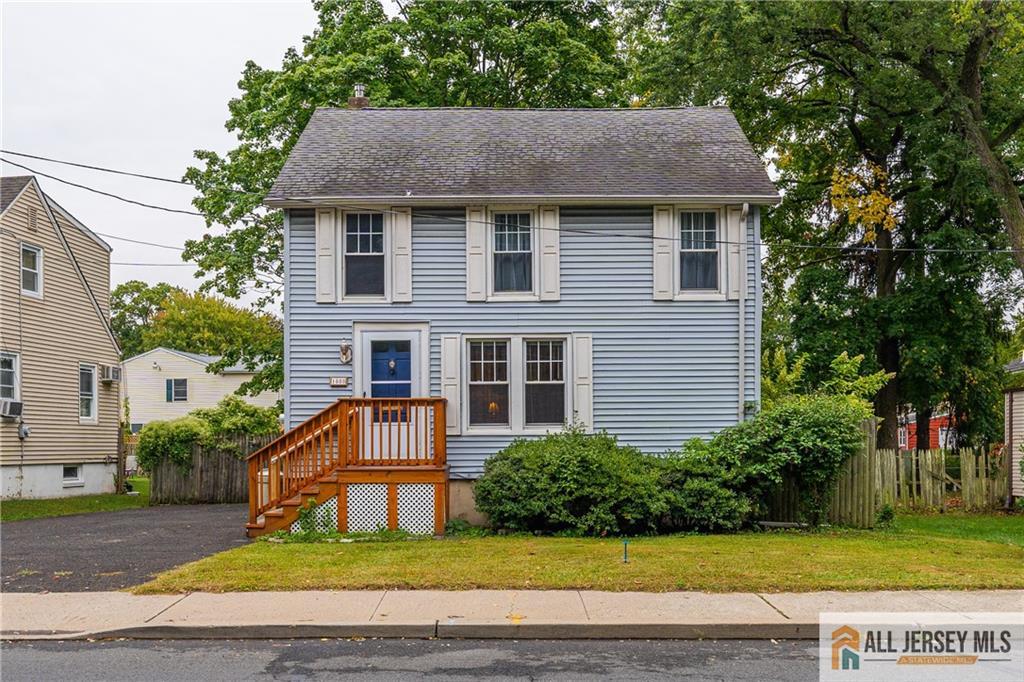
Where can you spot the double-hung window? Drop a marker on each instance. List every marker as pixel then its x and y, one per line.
pixel 9 376
pixel 698 251
pixel 364 255
pixel 544 397
pixel 517 383
pixel 513 253
pixel 31 270
pixel 488 383
pixel 87 393
pixel 176 390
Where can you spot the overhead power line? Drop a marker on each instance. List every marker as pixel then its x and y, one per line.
pixel 96 168
pixel 106 194
pixel 463 221
pixel 139 241
pixel 156 265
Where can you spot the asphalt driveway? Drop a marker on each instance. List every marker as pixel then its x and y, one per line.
pixel 112 550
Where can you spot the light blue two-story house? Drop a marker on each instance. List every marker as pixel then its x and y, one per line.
pixel 458 278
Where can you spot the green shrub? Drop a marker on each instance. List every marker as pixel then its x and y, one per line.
pixel 701 491
pixel 171 440
pixel 806 438
pixel 571 483
pixel 233 417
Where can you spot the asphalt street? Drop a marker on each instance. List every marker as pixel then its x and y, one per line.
pixel 172 660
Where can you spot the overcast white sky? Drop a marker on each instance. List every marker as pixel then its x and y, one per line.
pixel 135 86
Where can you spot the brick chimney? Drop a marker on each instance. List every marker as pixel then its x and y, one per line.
pixel 359 100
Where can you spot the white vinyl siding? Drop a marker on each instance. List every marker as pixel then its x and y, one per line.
pixel 31 270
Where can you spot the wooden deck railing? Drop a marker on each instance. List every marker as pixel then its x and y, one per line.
pixel 353 432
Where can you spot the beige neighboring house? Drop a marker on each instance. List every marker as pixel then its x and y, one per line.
pixel 1014 414
pixel 164 383
pixel 58 356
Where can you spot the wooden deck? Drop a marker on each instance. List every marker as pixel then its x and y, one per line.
pixel 389 441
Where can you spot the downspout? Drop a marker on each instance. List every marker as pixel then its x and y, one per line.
pixel 741 408
pixel 1010 424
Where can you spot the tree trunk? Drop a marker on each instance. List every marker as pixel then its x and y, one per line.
pixel 887 402
pixel 1000 182
pixel 923 427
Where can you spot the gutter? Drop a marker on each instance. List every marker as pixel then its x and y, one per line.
pixel 741 408
pixel 459 199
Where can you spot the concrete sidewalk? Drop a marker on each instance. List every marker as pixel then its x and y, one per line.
pixel 471 614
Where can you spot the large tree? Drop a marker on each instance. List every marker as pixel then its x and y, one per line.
pixel 133 305
pixel 873 160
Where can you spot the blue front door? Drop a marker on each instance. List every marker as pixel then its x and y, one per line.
pixel 390 369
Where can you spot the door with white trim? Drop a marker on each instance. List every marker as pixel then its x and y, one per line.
pixel 390 369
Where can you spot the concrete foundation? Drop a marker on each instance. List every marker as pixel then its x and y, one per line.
pixel 47 480
pixel 462 504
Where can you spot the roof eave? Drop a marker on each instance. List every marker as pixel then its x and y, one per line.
pixel 439 200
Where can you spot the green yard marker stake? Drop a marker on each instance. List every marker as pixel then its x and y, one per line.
pixel 625 551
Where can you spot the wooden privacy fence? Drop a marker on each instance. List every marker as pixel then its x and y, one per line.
pixel 854 498
pixel 217 475
pixel 928 479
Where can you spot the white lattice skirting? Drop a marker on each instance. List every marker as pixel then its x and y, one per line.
pixel 325 517
pixel 367 507
pixel 416 508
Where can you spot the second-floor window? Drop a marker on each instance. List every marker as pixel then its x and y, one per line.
pixel 698 251
pixel 176 390
pixel 513 253
pixel 364 268
pixel 31 270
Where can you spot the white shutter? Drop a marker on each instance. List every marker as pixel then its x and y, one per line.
pixel 734 235
pixel 451 381
pixel 583 380
pixel 327 263
pixel 401 254
pixel 548 237
pixel 664 254
pixel 476 254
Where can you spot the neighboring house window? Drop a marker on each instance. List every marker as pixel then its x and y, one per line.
pixel 72 474
pixel 947 437
pixel 364 255
pixel 545 382
pixel 87 392
pixel 9 384
pixel 136 427
pixel 31 270
pixel 176 390
pixel 488 383
pixel 903 436
pixel 513 253
pixel 698 250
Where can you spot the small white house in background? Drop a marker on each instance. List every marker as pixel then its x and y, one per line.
pixel 1014 412
pixel 164 383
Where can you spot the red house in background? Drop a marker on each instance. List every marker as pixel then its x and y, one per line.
pixel 941 434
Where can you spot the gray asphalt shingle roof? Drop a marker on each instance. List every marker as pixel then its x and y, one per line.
pixel 10 188
pixel 440 153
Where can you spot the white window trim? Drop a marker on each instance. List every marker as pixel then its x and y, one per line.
pixel 39 271
pixel 681 294
pixel 17 373
pixel 514 296
pixel 340 245
pixel 903 436
pixel 76 482
pixel 94 417
pixel 517 384
pixel 173 398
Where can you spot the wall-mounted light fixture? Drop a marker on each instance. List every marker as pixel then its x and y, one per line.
pixel 345 351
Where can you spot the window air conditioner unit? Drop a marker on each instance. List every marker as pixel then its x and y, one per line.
pixel 110 374
pixel 11 408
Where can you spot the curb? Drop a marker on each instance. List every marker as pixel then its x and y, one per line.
pixel 441 630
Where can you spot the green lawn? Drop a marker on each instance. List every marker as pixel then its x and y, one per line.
pixel 919 553
pixel 1002 528
pixel 17 510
